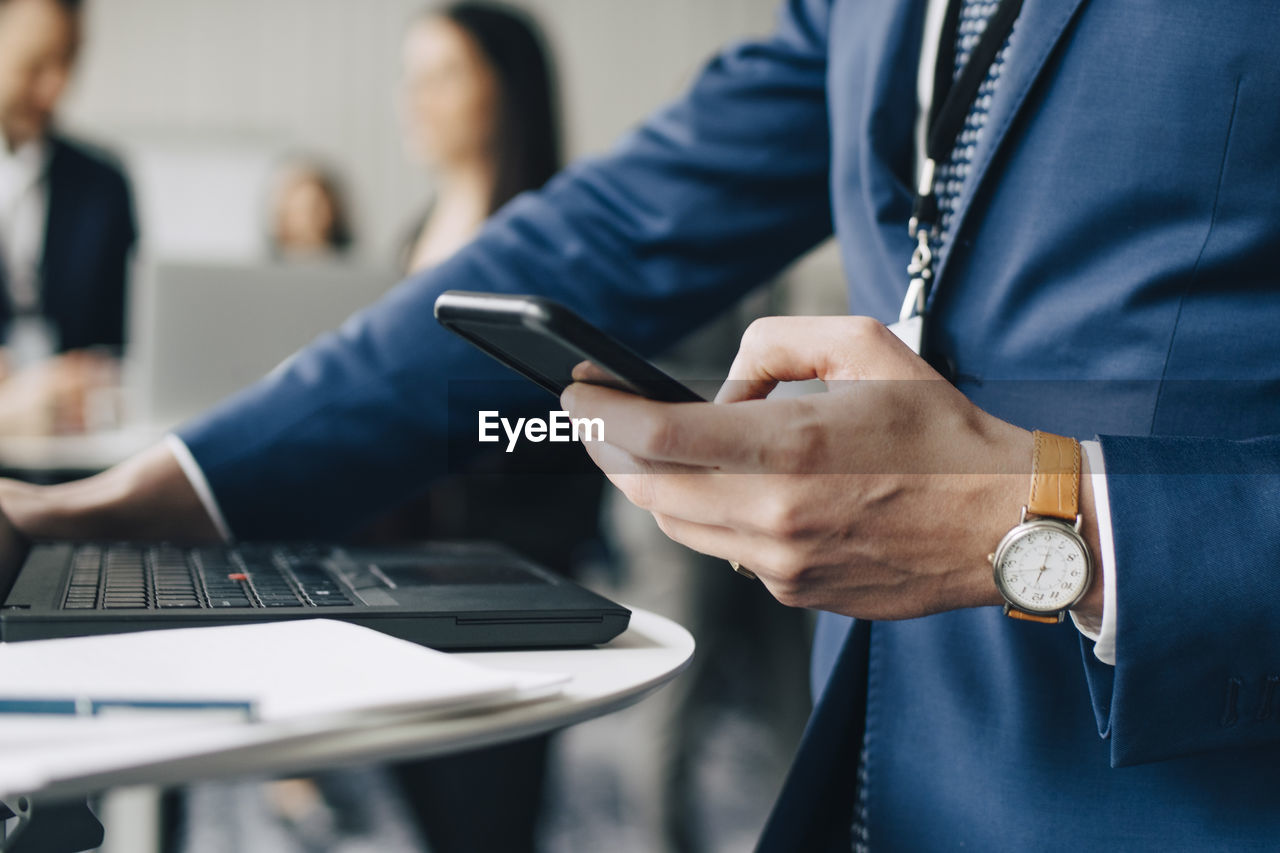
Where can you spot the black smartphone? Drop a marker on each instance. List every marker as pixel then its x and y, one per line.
pixel 544 341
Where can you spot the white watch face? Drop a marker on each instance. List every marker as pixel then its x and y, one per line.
pixel 1042 569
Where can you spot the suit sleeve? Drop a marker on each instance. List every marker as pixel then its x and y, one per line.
pixel 708 198
pixel 1196 525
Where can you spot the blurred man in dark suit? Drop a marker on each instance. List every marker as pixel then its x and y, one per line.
pixel 66 216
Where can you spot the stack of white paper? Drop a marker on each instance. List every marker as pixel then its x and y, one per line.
pixel 297 676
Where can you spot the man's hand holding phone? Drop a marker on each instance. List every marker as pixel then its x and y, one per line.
pixel 879 499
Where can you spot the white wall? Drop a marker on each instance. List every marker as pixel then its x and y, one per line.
pixel 237 76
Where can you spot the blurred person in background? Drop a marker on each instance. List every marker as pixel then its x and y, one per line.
pixel 66 231
pixel 479 113
pixel 310 216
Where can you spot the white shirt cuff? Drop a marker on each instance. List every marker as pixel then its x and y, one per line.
pixel 195 476
pixel 1103 634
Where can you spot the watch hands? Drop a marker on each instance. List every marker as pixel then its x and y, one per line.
pixel 1044 564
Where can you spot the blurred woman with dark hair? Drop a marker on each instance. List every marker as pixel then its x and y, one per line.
pixel 479 112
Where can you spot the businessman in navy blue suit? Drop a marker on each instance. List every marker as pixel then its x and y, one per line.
pixel 67 227
pixel 1105 270
pixel 66 215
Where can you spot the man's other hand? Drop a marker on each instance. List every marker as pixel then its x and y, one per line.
pixel 147 497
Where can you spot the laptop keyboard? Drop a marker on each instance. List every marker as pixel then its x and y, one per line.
pixel 131 577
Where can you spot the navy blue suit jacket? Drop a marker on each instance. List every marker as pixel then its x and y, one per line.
pixel 1113 274
pixel 89 236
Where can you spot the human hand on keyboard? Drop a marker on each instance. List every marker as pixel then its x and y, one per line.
pixel 145 498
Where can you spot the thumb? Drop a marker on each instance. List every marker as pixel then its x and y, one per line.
pixel 793 349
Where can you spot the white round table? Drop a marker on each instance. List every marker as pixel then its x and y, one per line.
pixel 651 652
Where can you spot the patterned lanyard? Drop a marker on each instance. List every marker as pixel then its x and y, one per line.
pixel 953 99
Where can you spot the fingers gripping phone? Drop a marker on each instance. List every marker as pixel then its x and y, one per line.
pixel 544 341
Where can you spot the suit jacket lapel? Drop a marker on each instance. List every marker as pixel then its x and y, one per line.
pixel 1038 31
pixel 814 811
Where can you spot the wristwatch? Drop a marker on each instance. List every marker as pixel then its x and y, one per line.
pixel 1043 566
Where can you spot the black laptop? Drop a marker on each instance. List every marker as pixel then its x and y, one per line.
pixel 447 595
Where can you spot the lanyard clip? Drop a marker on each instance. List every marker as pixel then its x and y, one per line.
pixel 921 271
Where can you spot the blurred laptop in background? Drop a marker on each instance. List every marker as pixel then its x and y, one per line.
pixel 198 332
pixel 201 331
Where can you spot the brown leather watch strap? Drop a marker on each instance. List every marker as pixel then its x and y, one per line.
pixel 1015 613
pixel 1055 477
